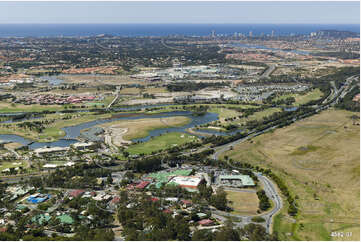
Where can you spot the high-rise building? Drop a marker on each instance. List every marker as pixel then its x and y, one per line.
pixel 213 34
pixel 272 33
pixel 250 33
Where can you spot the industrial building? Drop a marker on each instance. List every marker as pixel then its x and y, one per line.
pixel 83 146
pixel 164 177
pixel 186 181
pixel 235 180
pixel 51 150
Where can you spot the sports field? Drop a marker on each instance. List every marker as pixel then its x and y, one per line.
pixel 319 160
pixel 140 128
pixel 161 142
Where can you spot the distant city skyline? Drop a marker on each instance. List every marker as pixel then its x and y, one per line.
pixel 180 12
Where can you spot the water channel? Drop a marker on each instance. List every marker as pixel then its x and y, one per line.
pixel 269 48
pixel 73 132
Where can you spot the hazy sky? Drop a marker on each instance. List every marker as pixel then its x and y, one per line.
pixel 180 12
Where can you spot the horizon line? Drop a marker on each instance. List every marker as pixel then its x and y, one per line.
pixel 27 23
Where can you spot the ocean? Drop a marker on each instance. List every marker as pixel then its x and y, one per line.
pixel 132 30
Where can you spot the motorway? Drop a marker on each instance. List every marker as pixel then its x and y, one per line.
pixel 270 69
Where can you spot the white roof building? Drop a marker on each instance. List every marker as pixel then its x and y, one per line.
pixel 186 181
pixel 82 145
pixel 39 151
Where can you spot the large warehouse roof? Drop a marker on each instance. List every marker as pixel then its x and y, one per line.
pixel 246 179
pixel 186 181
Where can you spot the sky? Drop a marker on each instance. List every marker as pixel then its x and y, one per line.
pixel 181 12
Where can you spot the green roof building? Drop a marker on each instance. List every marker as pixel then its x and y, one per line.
pixel 243 180
pixel 21 207
pixel 65 219
pixel 164 177
pixel 40 219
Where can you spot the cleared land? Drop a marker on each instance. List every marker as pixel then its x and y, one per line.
pixel 319 160
pixel 243 203
pixel 161 142
pixel 141 127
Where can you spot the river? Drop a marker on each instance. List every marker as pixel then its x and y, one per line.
pixel 73 132
pixel 262 47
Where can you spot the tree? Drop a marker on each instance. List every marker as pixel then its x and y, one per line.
pixel 110 179
pixel 264 202
pixel 219 200
pixel 204 191
pixel 256 232
pixel 202 235
pixel 227 233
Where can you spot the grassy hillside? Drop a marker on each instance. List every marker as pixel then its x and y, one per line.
pixel 319 159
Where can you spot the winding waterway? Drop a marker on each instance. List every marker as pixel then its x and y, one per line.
pixel 268 48
pixel 73 132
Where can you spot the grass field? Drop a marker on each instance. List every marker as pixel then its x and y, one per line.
pixel 243 203
pixel 6 107
pixel 161 142
pixel 141 127
pixel 302 99
pixel 319 160
pixel 154 90
pixel 224 113
pixel 222 109
pixel 130 91
pixel 258 115
pixel 12 164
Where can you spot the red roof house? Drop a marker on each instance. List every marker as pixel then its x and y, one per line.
pixel 76 193
pixel 130 187
pixel 167 211
pixel 115 200
pixel 205 222
pixel 142 185
pixel 154 199
pixel 186 203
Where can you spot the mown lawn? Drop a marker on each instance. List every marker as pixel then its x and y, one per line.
pixel 161 142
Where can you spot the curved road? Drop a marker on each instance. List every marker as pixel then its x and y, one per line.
pixel 271 192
